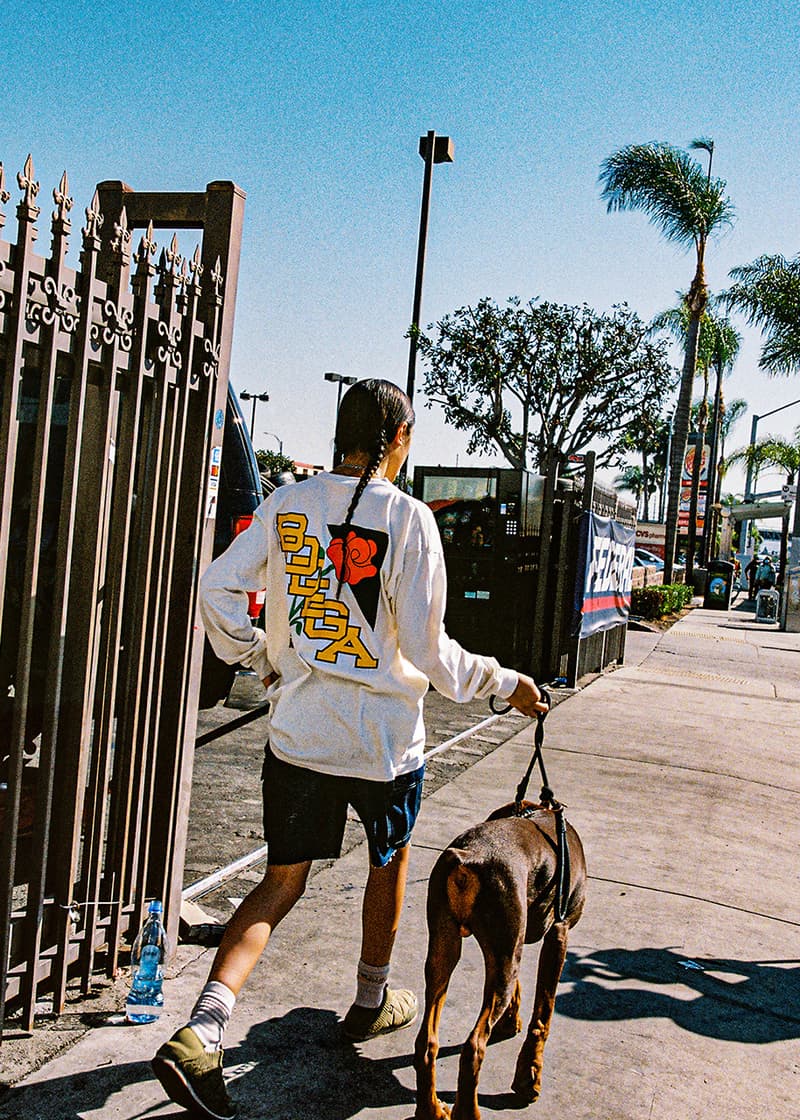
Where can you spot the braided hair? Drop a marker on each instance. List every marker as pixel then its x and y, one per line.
pixel 369 418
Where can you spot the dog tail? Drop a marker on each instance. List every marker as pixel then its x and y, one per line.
pixel 462 888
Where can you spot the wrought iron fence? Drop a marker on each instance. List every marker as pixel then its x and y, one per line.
pixel 114 380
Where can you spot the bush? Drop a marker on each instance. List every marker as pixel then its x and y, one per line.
pixel 655 602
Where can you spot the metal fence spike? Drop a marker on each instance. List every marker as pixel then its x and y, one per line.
pixel 62 200
pixel 94 219
pixel 27 183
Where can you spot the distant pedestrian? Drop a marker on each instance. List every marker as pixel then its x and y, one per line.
pixel 355 600
pixel 765 573
pixel 750 573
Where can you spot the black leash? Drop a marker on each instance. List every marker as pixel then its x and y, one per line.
pixel 547 800
pixel 232 725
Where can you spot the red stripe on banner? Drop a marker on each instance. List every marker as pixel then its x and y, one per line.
pixel 604 602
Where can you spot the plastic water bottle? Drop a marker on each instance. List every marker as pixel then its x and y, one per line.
pixel 150 949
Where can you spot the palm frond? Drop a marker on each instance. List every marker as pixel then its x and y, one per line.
pixel 702 143
pixel 767 293
pixel 670 187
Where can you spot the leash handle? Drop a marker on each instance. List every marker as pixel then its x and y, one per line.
pixel 544 694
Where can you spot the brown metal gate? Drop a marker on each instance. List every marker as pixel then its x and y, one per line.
pixel 114 383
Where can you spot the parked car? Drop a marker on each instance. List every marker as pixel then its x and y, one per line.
pixel 642 558
pixel 240 492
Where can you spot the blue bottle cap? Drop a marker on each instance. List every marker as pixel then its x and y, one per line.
pixel 155 906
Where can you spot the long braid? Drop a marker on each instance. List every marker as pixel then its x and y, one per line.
pixel 375 461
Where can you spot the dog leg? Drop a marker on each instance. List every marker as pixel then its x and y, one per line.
pixel 510 1022
pixel 528 1074
pixel 500 987
pixel 444 952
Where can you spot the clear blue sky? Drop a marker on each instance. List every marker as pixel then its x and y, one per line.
pixel 315 110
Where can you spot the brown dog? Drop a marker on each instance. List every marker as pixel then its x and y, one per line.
pixel 498 882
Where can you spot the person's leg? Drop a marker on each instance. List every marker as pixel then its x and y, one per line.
pixel 252 924
pixel 388 812
pixel 381 909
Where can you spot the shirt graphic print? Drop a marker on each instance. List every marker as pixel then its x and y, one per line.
pixel 313 575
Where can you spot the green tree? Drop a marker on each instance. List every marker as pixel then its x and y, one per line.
pixel 767 293
pixel 273 462
pixel 688 207
pixel 539 380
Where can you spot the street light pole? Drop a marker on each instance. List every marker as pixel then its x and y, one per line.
pixel 433 149
pixel 340 380
pixel 278 438
pixel 254 397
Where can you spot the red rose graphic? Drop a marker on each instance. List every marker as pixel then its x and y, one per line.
pixel 356 554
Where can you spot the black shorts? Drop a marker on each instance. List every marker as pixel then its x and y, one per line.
pixel 305 812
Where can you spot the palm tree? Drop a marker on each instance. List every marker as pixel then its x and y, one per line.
pixel 725 342
pixel 767 293
pixel 648 436
pixel 717 348
pixel 730 413
pixel 773 451
pixel 636 482
pixel 688 206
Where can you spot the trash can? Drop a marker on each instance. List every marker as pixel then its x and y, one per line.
pixel 718 585
pixel 767 603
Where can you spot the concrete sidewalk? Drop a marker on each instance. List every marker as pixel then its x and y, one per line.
pixel 681 994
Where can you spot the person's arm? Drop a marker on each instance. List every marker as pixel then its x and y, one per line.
pixel 420 600
pixel 224 591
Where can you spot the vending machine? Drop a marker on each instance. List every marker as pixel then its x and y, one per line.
pixel 489 520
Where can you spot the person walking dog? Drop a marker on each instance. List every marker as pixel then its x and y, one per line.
pixel 355 599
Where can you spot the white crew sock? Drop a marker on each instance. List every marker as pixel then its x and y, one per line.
pixel 211 1014
pixel 371 980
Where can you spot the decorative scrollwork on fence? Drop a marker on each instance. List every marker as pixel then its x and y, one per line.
pixel 211 363
pixel 116 326
pixel 169 352
pixel 62 303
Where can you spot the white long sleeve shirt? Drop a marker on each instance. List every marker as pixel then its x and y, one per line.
pixel 352 667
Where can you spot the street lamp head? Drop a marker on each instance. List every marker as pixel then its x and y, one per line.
pixel 253 396
pixel 443 148
pixel 340 378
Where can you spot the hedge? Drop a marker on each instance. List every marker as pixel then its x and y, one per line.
pixel 655 602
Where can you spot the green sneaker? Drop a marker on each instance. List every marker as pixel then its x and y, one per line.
pixel 192 1077
pixel 398 1010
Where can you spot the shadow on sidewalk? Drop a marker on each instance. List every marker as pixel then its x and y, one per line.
pixel 297 1065
pixel 738 1001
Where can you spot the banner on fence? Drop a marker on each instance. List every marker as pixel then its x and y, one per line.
pixel 605 568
